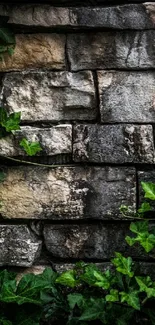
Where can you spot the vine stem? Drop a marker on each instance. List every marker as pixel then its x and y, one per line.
pixel 35 164
pixel 145 300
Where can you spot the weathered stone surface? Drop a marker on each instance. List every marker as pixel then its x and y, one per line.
pixel 50 96
pixel 18 246
pixel 147 175
pixel 127 96
pixel 120 17
pixel 67 192
pixel 38 269
pixel 110 50
pixel 113 143
pixel 53 141
pixel 35 51
pixel 142 268
pixel 98 241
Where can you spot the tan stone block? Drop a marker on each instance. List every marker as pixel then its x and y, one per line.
pixel 66 193
pixel 36 51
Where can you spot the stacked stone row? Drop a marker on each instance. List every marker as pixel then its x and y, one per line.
pixel 84 81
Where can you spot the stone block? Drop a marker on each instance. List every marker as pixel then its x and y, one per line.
pixel 113 143
pixel 67 192
pixel 98 241
pixel 55 140
pixel 18 246
pixel 34 51
pixel 50 96
pixel 130 16
pixel 112 50
pixel 127 96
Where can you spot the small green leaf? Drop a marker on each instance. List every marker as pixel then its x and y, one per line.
pixel 131 241
pixel 131 298
pixel 9 122
pixel 123 264
pixel 75 299
pixel 68 278
pixel 149 189
pixel 145 285
pixel 147 241
pixel 94 309
pixel 7 36
pixel 113 296
pixel 139 227
pixel 145 207
pixel 143 282
pixel 31 148
pixel 94 277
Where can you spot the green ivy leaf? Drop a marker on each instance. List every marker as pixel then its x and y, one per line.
pixel 144 238
pixel 113 296
pixel 131 298
pixel 143 282
pixel 9 122
pixel 145 207
pixel 75 299
pixel 12 123
pixel 139 227
pixel 93 276
pixel 30 286
pixel 123 264
pixel 31 148
pixel 149 189
pixel 145 285
pixel 94 309
pixel 7 36
pixel 68 279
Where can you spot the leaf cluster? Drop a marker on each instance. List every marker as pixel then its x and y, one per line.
pixel 9 123
pixel 81 296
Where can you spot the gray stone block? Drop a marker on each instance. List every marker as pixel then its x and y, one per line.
pixel 67 192
pixel 130 16
pixel 53 141
pixel 18 246
pixel 127 96
pixel 98 241
pixel 50 96
pixel 112 50
pixel 113 143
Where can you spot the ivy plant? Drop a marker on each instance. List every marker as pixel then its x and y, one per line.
pixel 7 42
pixel 9 123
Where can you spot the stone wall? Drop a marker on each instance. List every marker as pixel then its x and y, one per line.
pixel 83 76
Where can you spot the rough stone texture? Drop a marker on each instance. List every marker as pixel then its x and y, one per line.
pixel 143 268
pixel 113 143
pixel 38 269
pixel 127 96
pixel 147 175
pixel 110 50
pixel 53 141
pixel 35 51
pixel 18 246
pixel 50 96
pixel 77 2
pixel 120 17
pixel 98 241
pixel 67 192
